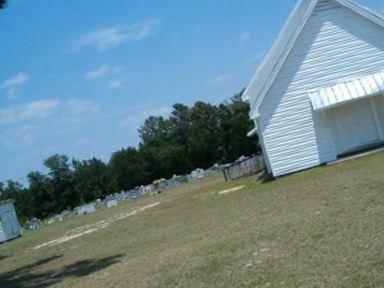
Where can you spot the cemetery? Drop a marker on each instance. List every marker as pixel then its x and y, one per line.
pixel 192 235
pixel 113 200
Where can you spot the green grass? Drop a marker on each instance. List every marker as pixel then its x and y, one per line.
pixel 319 228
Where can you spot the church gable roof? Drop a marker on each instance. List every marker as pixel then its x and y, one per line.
pixel 277 55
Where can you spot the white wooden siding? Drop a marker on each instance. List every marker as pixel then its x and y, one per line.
pixel 2 235
pixel 336 44
pixel 9 227
pixel 354 125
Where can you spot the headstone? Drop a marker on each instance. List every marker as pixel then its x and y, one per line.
pixel 111 203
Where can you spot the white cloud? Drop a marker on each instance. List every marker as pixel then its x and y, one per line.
pixel 26 133
pixel 27 137
pixel 19 135
pixel 133 122
pixel 254 59
pixel 12 93
pixel 45 108
pixel 112 37
pixel 29 122
pixel 78 106
pixel 244 36
pixel 76 112
pixel 222 79
pixel 115 83
pixel 31 111
pixel 98 73
pixel 162 111
pixel 38 109
pixel 16 80
pixel 128 123
pixel 11 83
pixel 82 143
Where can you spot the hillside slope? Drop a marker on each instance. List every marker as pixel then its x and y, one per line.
pixel 318 228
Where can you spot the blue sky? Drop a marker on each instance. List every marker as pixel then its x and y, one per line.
pixel 79 77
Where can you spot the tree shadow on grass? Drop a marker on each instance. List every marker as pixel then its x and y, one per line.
pixel 2 257
pixel 29 276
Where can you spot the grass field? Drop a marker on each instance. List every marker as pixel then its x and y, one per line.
pixel 318 228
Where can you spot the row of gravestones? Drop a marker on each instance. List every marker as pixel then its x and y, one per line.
pixel 132 195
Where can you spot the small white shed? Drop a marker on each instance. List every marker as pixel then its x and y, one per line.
pixel 9 224
pixel 318 94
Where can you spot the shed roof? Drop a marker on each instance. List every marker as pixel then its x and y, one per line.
pixel 276 56
pixel 347 91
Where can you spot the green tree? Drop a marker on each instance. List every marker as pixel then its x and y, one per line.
pixel 91 179
pixel 234 124
pixel 164 160
pixel 180 123
pixel 25 206
pixel 164 143
pixel 21 197
pixel 61 178
pixel 43 200
pixel 128 169
pixel 2 186
pixel 180 128
pixel 203 135
pixel 10 190
pixel 155 131
pixel 191 137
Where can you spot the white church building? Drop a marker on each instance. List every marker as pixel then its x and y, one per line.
pixel 318 94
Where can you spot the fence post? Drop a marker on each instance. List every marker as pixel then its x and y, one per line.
pixel 225 174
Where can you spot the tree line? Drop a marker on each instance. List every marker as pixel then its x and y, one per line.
pixel 190 138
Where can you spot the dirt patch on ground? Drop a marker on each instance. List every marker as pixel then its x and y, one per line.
pixel 91 228
pixel 231 190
